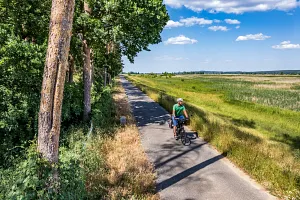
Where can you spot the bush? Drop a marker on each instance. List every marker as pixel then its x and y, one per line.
pixel 72 109
pixel 21 66
pixel 27 178
pixel 103 110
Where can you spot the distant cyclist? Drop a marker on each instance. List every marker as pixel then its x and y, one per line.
pixel 178 112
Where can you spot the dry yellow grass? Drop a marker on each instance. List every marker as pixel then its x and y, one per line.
pixel 129 173
pixel 129 169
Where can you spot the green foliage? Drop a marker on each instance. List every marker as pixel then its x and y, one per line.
pixel 132 25
pixel 72 109
pixel 21 66
pixel 28 18
pixel 28 178
pixel 23 180
pixel 103 110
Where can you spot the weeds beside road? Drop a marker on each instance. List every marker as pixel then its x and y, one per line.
pixel 126 172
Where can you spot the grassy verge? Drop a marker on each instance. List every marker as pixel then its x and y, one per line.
pixel 240 130
pixel 124 172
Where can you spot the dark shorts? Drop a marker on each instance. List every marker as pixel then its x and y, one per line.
pixel 175 121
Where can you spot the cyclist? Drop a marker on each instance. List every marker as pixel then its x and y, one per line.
pixel 178 112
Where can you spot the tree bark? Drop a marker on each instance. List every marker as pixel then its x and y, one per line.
pixel 87 82
pixel 87 77
pixel 61 22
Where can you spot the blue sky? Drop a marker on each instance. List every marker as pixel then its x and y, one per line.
pixel 225 35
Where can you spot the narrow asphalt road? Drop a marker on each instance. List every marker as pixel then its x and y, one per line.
pixel 187 172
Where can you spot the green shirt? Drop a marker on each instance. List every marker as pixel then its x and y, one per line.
pixel 178 110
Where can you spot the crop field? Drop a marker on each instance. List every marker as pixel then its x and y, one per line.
pixel 254 120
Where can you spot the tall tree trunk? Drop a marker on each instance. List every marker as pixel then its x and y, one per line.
pixel 87 82
pixel 87 79
pixel 61 22
pixel 92 67
pixel 71 69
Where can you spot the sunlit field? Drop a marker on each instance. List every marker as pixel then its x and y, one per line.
pixel 253 119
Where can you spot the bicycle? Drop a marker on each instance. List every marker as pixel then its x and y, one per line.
pixel 181 132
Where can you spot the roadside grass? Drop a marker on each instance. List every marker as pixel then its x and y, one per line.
pixel 107 162
pixel 262 140
pixel 121 169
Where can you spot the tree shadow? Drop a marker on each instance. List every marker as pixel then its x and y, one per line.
pixel 171 181
pixel 159 164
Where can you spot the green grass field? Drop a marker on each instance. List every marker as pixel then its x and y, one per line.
pixel 255 120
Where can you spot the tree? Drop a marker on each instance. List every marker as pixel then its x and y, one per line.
pixel 87 71
pixel 130 25
pixel 61 21
pixel 116 28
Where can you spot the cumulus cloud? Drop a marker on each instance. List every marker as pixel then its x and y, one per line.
pixel 237 27
pixel 217 21
pixel 234 6
pixel 195 21
pixel 189 22
pixel 218 28
pixel 258 36
pixel 181 39
pixel 286 45
pixel 232 21
pixel 172 24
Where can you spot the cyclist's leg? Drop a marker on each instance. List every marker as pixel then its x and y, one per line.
pixel 174 125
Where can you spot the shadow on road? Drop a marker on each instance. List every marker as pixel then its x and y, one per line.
pixel 145 112
pixel 167 183
pixel 160 164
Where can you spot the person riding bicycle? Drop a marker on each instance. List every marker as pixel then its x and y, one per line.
pixel 179 111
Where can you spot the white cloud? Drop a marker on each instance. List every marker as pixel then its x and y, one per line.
pixel 258 36
pixel 217 21
pixel 286 45
pixel 172 24
pixel 195 21
pixel 218 28
pixel 232 21
pixel 169 58
pixel 181 39
pixel 189 22
pixel 237 27
pixel 234 6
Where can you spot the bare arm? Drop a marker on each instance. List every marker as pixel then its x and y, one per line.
pixel 185 113
pixel 173 113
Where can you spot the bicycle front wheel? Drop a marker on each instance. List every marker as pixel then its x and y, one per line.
pixel 185 139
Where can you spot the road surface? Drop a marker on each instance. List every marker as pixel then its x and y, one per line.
pixel 187 172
